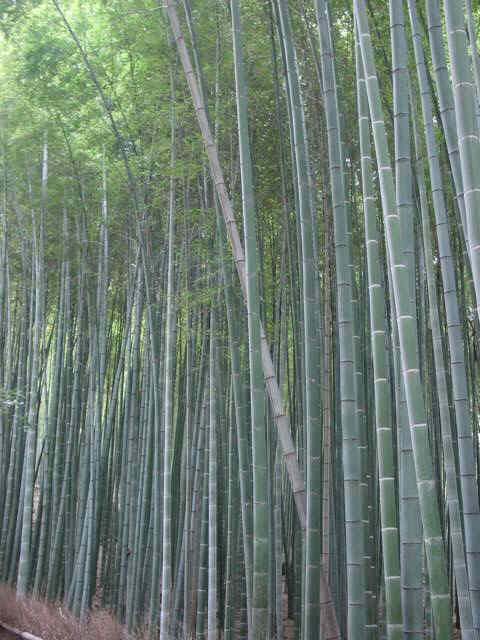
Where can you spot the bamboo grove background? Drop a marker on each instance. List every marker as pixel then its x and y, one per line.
pixel 239 335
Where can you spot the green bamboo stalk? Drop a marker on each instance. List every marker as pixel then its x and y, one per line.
pixel 257 417
pixel 410 528
pixel 212 488
pixel 472 36
pixel 386 469
pixel 451 488
pixel 436 559
pixel 202 588
pixel 233 529
pixel 25 561
pixel 468 139
pixel 446 104
pixel 356 615
pixel 310 339
pixel 168 395
pixel 468 488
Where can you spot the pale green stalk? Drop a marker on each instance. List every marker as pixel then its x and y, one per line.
pixel 257 409
pixel 410 528
pixel 451 488
pixel 468 139
pixel 168 396
pixel 386 468
pixel 212 488
pixel 354 527
pixel 436 558
pixel 468 486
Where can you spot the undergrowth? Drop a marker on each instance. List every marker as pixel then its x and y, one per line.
pixel 52 621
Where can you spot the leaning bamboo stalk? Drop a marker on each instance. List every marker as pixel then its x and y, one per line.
pixel 288 448
pixel 281 421
pixel 20 634
pixel 273 390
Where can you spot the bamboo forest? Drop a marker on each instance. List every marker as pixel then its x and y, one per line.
pixel 240 316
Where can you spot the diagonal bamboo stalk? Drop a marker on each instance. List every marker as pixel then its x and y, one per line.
pixel 273 390
pixel 21 634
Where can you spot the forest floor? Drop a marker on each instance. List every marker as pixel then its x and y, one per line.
pixel 52 622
